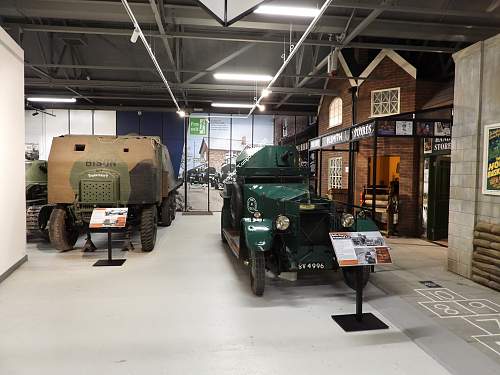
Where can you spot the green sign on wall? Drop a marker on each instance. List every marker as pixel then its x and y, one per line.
pixel 491 160
pixel 198 126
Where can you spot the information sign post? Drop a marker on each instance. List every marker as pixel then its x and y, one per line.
pixel 109 220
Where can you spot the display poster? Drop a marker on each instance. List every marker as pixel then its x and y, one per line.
pixel 31 151
pixel 108 218
pixel 425 129
pixel 442 129
pixel 360 248
pixel 386 128
pixel 198 126
pixel 491 160
pixel 404 127
pixel 427 145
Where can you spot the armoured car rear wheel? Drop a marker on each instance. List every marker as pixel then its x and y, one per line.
pixel 257 272
pixel 149 226
pixel 63 232
pixel 165 212
pixel 350 276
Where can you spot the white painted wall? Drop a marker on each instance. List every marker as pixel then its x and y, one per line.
pixel 42 128
pixel 12 221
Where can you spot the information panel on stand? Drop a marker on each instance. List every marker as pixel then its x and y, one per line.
pixel 360 248
pixel 108 218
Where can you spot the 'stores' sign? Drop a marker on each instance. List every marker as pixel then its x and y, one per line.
pixel 491 160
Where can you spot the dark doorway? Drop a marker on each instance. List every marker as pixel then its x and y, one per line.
pixel 439 198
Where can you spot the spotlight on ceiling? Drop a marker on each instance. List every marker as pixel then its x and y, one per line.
pixel 266 93
pixel 243 77
pixel 261 107
pixel 135 35
pixel 232 105
pixel 287 11
pixel 181 113
pixel 34 114
pixel 51 100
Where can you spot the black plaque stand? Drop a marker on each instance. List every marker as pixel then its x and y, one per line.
pixel 359 321
pixel 110 261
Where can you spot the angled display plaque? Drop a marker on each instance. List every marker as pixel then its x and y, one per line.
pixel 227 12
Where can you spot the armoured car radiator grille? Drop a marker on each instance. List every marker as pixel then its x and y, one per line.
pixel 97 191
pixel 314 228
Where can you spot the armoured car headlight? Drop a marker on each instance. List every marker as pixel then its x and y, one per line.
pixel 347 220
pixel 257 215
pixel 282 222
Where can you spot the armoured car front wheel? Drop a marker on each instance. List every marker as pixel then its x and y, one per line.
pixel 149 226
pixel 350 276
pixel 63 232
pixel 173 205
pixel 257 272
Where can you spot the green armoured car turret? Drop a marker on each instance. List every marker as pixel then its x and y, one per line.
pixel 272 220
pixel 86 172
pixel 37 209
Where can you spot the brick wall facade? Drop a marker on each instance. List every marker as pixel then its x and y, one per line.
pixel 413 94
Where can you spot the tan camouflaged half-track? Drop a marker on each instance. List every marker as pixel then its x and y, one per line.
pixel 87 171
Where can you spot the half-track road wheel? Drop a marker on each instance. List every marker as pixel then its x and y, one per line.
pixel 257 272
pixel 350 276
pixel 173 205
pixel 148 227
pixel 165 213
pixel 63 232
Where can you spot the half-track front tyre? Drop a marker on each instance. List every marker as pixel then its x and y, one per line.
pixel 63 233
pixel 350 276
pixel 148 227
pixel 257 272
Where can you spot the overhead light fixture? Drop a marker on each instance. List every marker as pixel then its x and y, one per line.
pixel 287 11
pixel 181 113
pixel 243 77
pixel 135 35
pixel 266 93
pixel 232 105
pixel 51 100
pixel 261 107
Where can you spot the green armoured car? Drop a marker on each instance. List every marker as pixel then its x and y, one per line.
pixel 87 171
pixel 37 209
pixel 271 220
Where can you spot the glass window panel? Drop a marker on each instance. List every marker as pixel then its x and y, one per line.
pixel 263 130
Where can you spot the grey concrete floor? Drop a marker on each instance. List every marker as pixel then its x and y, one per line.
pixel 186 308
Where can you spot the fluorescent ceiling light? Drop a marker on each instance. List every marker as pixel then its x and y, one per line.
pixel 232 105
pixel 287 11
pixel 243 77
pixel 52 100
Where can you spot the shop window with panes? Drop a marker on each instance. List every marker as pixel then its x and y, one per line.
pixel 335 173
pixel 385 102
pixel 335 116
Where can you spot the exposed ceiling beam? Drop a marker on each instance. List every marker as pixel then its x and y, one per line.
pixel 494 5
pixel 97 11
pixel 120 96
pixel 143 69
pixel 166 44
pixel 359 4
pixel 345 41
pixel 315 71
pixel 33 82
pixel 221 62
pixel 221 37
